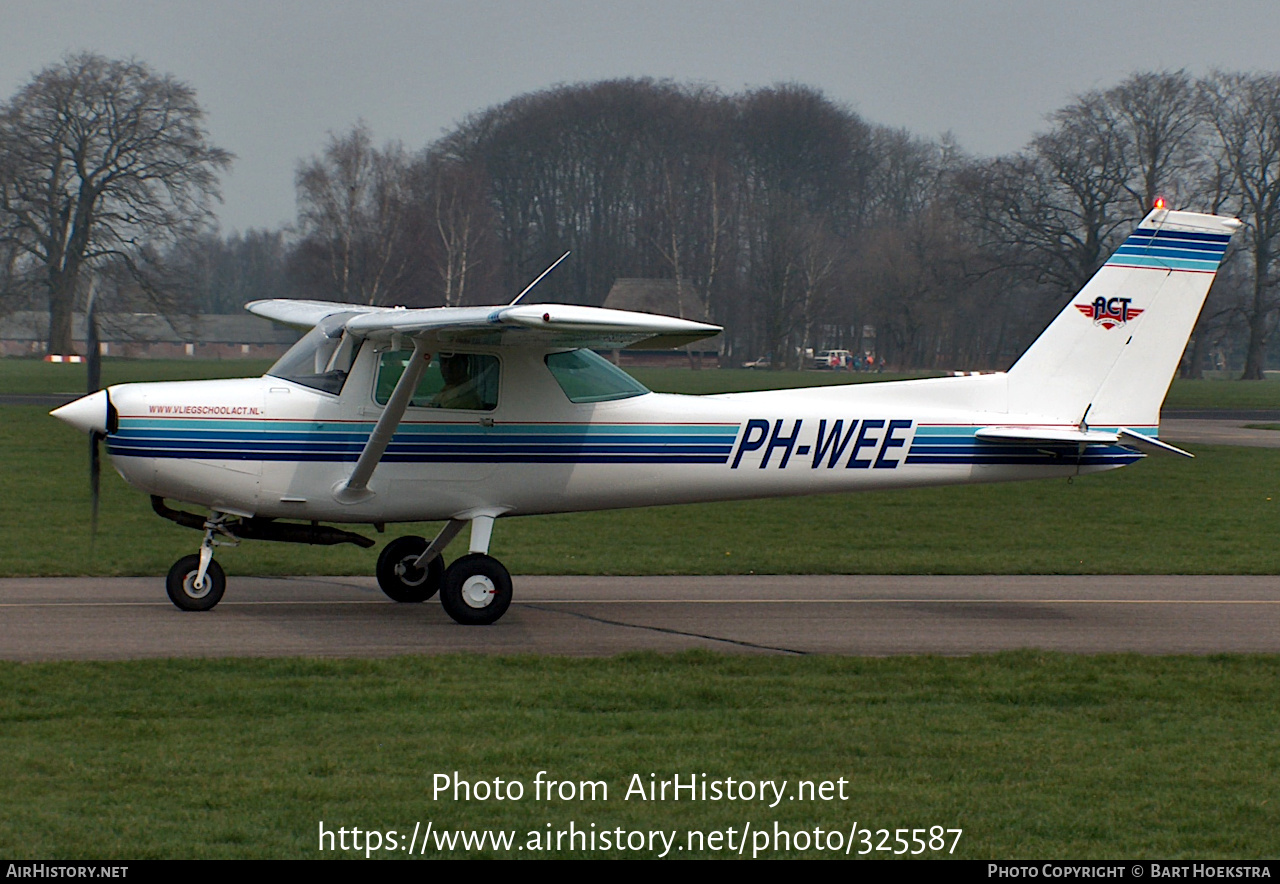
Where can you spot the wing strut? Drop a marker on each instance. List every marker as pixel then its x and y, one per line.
pixel 355 489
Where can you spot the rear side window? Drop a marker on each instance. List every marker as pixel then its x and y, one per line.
pixel 586 376
pixel 457 381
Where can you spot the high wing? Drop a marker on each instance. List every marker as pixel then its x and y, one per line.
pixel 304 315
pixel 545 325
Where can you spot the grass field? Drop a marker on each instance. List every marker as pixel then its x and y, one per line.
pixel 1225 394
pixel 1032 755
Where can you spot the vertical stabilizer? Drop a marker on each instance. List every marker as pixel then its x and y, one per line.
pixel 1108 358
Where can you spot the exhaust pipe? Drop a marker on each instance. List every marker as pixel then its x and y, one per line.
pixel 266 529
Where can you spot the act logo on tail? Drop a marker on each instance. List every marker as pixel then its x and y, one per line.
pixel 1109 312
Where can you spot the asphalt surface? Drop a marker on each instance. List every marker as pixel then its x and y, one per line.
pixel 122 618
pixel 1219 431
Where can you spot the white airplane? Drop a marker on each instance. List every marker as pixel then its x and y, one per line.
pixel 469 414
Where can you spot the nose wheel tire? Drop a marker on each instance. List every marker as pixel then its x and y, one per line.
pixel 399 579
pixel 182 589
pixel 476 590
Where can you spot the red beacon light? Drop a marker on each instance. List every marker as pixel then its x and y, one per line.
pixel 1159 202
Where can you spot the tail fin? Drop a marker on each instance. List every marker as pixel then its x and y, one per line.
pixel 1108 358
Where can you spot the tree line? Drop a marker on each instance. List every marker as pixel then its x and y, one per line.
pixel 777 212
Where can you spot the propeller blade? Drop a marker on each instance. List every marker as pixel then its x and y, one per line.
pixel 93 352
pixel 95 472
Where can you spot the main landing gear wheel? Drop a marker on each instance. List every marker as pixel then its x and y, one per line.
pixel 398 577
pixel 476 590
pixel 182 590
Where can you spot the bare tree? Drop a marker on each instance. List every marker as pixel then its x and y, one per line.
pixel 805 169
pixel 1244 113
pixel 1046 218
pixel 1085 168
pixel 100 161
pixel 694 209
pixel 1160 124
pixel 451 203
pixel 227 272
pixel 595 168
pixel 905 178
pixel 352 204
pixel 14 283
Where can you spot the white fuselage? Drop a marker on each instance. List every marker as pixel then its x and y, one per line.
pixel 274 448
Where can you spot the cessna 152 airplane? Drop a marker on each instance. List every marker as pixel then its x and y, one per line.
pixel 468 414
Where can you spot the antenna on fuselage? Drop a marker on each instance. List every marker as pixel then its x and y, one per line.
pixel 538 280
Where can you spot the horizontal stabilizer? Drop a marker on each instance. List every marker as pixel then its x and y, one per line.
pixel 1074 435
pixel 1046 435
pixel 1149 444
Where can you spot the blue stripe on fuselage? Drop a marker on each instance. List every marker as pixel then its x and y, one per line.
pixel 431 443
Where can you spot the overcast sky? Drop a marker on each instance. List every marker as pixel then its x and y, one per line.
pixel 276 77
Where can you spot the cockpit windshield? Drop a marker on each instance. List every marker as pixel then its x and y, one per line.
pixel 322 359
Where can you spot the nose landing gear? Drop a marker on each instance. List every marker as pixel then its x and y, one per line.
pixel 197 582
pixel 186 588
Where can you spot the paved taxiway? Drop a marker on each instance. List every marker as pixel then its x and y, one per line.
pixel 1218 431
pixel 81 618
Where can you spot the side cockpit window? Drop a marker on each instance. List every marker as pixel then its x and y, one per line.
pixel 586 376
pixel 458 381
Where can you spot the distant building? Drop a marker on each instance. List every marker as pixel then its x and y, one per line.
pixel 153 336
pixel 662 297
